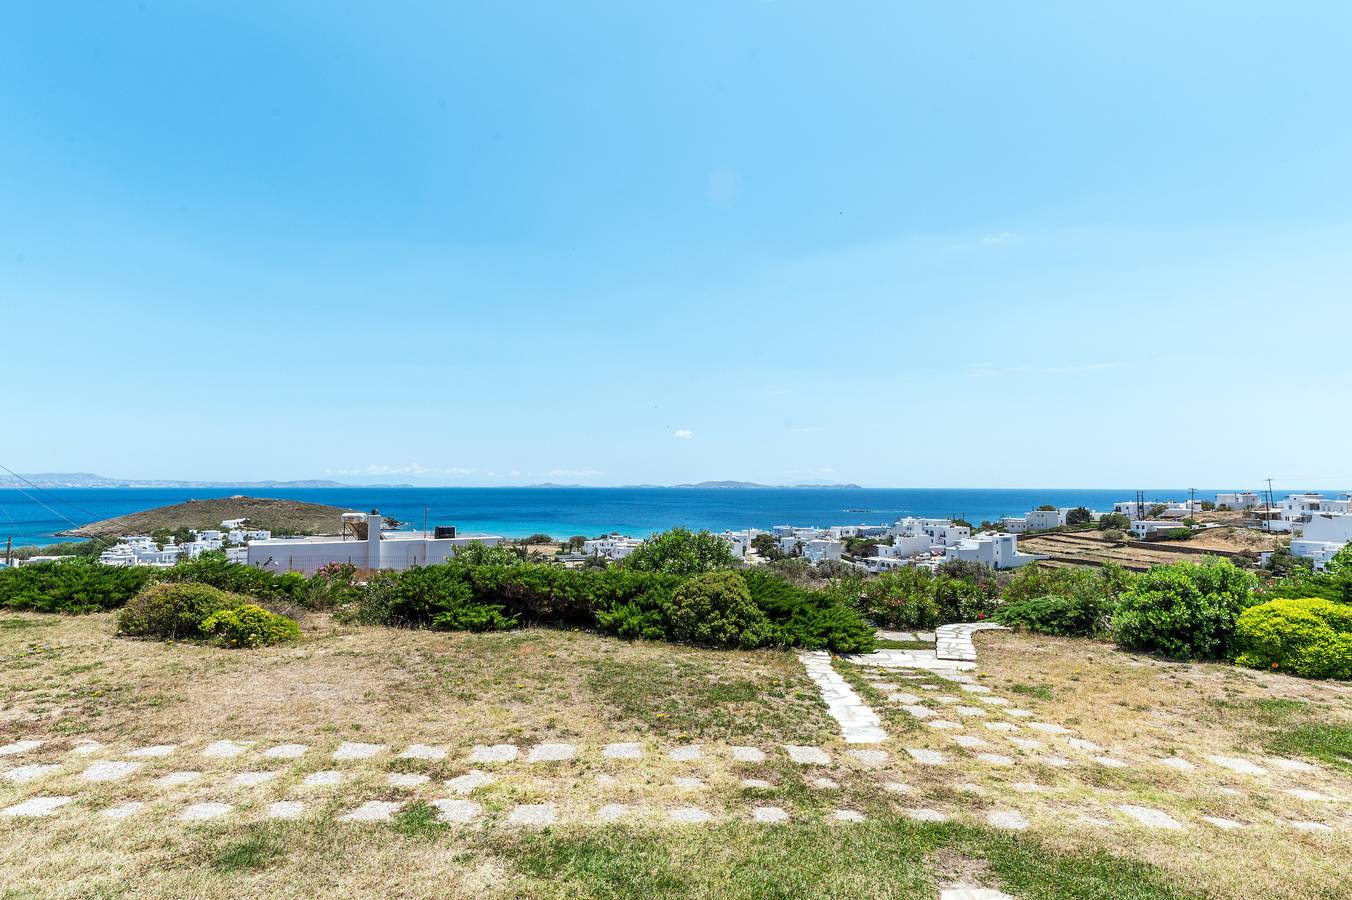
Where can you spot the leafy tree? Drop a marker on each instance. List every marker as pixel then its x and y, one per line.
pixel 576 542
pixel 767 547
pixel 963 523
pixel 1120 521
pixel 1046 507
pixel 1341 561
pixel 1208 506
pixel 680 552
pixel 1156 511
pixel 1080 515
pixel 716 608
pixel 476 553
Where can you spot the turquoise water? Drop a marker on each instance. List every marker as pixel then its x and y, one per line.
pixel 33 517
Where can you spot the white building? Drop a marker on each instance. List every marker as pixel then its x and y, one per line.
pixel 1015 524
pixel 820 549
pixel 612 547
pixel 1322 537
pixel 1144 528
pixel 378 550
pixel 740 541
pixel 942 532
pixel 997 550
pixel 1239 500
pixel 1042 519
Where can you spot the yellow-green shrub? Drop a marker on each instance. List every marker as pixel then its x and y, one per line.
pixel 1309 637
pixel 174 611
pixel 248 626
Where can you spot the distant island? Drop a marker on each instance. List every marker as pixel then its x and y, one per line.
pixel 290 517
pixel 88 480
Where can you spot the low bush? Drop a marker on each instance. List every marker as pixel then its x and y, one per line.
pixel 171 611
pixel 680 552
pixel 247 626
pixel 1184 610
pixel 213 568
pixel 716 608
pixel 914 598
pixel 616 600
pixel 1073 616
pixel 71 586
pixel 1309 637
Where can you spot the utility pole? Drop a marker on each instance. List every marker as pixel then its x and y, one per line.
pixel 1192 501
pixel 9 547
pixel 1267 517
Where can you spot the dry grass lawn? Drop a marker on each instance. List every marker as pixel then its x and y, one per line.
pixel 64 679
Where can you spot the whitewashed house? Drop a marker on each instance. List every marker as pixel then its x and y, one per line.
pixel 1015 524
pixel 1239 500
pixel 997 550
pixel 942 532
pixel 820 549
pixel 613 547
pixel 1322 537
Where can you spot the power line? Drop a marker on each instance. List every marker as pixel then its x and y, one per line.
pixel 54 512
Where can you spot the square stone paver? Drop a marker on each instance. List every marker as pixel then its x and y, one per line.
pixel 464 784
pixel 109 770
pixel 1151 818
pixel 253 779
pixel 37 806
pixel 1049 728
pixel 1004 727
pixel 926 757
pixel 969 741
pixel 756 784
pixel 285 809
pixel 286 751
pixel 623 750
pixel 122 810
pixel 920 712
pixel 423 751
pixel 19 747
pixel 1178 763
pixel 686 753
pixel 406 779
pixel 323 779
pixel 534 815
pixel 826 784
pixel 871 758
pixel 613 812
pixel 926 815
pixel 688 815
pixel 357 750
pixel 86 746
pixel 552 753
pixel 457 812
pixel 1007 818
pixel 497 753
pixel 847 815
pixel 1081 744
pixel 1290 765
pixel 807 756
pixel 1027 743
pixel 1222 824
pixel 995 759
pixel 25 774
pixel 373 811
pixel 1111 762
pixel 1235 764
pixel 769 815
pixel 688 784
pixel 198 812
pixel 747 754
pixel 156 751
pixel 1309 826
pixel 225 749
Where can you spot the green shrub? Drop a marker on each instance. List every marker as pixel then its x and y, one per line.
pixel 1309 637
pixel 616 600
pixel 1083 615
pixel 1335 586
pixel 1184 610
pixel 716 608
pixel 247 626
pixel 904 598
pixel 171 611
pixel 215 569
pixel 680 552
pixel 71 586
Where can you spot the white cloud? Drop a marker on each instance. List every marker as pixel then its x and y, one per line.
pixel 685 434
pixel 998 238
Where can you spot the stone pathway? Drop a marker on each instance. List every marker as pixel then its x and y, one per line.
pixel 858 723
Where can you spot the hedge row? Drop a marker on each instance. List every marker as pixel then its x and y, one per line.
pixel 721 608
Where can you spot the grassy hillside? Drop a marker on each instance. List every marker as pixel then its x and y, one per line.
pixel 278 516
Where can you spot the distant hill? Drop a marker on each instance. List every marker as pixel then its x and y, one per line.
pixel 751 485
pixel 278 516
pixel 88 480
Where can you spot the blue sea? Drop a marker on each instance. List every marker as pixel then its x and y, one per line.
pixel 34 517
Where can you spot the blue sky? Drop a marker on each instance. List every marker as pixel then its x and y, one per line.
pixel 1043 244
